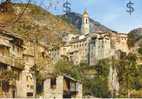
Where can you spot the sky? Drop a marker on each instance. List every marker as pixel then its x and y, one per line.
pixel 111 13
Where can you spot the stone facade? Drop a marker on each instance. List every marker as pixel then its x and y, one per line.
pixel 90 47
pixel 86 48
pixel 62 87
pixel 20 56
pixel 27 86
pixel 99 47
pixel 54 54
pixel 10 60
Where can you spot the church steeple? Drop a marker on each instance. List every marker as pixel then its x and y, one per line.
pixel 85 29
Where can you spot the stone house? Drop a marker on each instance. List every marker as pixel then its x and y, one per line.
pixel 62 87
pixel 19 56
pixel 119 42
pixel 10 61
pixel 34 54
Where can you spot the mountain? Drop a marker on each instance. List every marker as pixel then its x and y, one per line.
pixel 136 33
pixel 76 19
pixel 36 23
pixel 135 37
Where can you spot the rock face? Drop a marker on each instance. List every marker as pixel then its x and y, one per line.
pixel 76 19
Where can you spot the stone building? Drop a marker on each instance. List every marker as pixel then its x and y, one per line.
pixel 90 47
pixel 80 45
pixel 62 87
pixel 34 54
pixel 87 48
pixel 119 41
pixel 11 63
pixel 54 54
pixel 27 87
pixel 18 56
pixel 99 47
pixel 122 42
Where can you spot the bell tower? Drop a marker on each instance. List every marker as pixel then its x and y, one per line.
pixel 85 28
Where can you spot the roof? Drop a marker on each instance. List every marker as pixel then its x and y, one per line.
pixel 85 12
pixel 70 78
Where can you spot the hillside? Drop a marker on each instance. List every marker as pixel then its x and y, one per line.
pixel 37 23
pixel 76 19
pixel 135 37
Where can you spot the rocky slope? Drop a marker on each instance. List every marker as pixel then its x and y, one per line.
pixel 37 23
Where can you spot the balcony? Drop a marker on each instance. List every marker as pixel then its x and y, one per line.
pixel 12 61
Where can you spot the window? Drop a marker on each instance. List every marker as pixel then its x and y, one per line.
pixel 43 54
pixel 86 21
pixel 28 86
pixel 29 94
pixel 27 78
pixel 31 87
pixel 53 83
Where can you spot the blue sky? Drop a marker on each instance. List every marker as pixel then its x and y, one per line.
pixel 111 13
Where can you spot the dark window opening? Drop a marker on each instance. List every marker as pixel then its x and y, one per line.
pixel 53 83
pixel 39 87
pixel 13 94
pixel 29 94
pixel 86 21
pixel 5 86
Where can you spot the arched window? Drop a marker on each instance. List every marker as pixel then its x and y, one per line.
pixel 86 21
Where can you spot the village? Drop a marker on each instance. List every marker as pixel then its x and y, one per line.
pixel 21 57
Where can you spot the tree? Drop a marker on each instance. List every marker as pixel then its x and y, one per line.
pixel 98 86
pixel 127 71
pixel 63 67
pixel 8 79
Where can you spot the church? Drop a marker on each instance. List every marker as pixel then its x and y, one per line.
pixel 90 47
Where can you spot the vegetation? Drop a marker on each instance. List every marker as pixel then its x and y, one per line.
pixel 129 74
pixel 8 80
pixel 140 50
pixel 95 86
pixel 65 67
pixel 95 83
pixel 50 26
pixel 100 88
